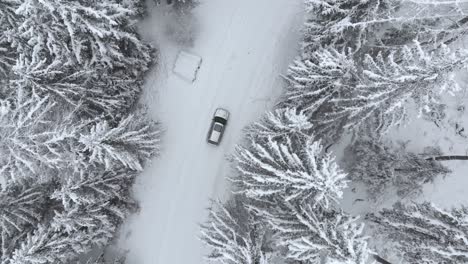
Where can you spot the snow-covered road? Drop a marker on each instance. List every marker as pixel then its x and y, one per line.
pixel 245 46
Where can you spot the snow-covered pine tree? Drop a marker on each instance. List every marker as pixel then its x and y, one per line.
pixel 344 23
pixel 37 143
pixel 270 168
pixel 311 234
pixel 128 143
pixel 336 92
pixel 337 43
pixel 83 53
pixel 31 142
pixel 20 206
pixel 88 209
pixel 233 234
pixel 88 217
pixel 425 233
pixel 313 81
pixel 382 25
pixel 81 32
pixel 434 23
pixel 92 187
pixel 87 54
pixel 282 123
pixel 388 84
pixel 67 235
pixel 21 209
pixel 89 89
pixel 8 22
pixel 381 166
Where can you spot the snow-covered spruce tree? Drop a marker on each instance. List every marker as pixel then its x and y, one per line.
pixel 128 142
pixel 82 32
pixel 86 54
pixel 89 89
pixel 92 205
pixel 233 234
pixel 313 81
pixel 21 209
pixel 381 166
pixel 282 123
pixel 345 23
pixel 336 92
pixel 382 25
pixel 35 140
pixel 67 236
pixel 425 233
pixel 388 84
pixel 92 187
pixel 434 23
pixel 31 142
pixel 313 233
pixel 270 168
pixel 8 22
pixel 323 82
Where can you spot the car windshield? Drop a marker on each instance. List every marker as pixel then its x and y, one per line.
pixel 217 127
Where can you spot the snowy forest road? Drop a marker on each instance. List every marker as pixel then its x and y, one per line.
pixel 245 45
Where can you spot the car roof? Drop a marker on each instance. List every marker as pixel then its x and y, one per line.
pixel 221 112
pixel 215 135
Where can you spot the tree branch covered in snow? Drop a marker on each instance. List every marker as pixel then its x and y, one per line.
pixel 338 91
pixel 21 209
pixel 92 187
pixel 91 90
pixel 86 54
pixel 8 21
pixel 54 244
pixel 81 32
pixel 269 168
pixel 29 144
pixel 70 72
pixel 234 235
pixel 382 25
pixel 281 123
pixel 35 141
pixel 369 61
pixel 344 23
pixel 313 81
pixel 129 142
pixel 425 233
pixel 311 234
pixel 87 209
pixel 381 167
pixel 389 84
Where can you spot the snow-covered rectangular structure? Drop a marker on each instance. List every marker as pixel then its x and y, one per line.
pixel 186 66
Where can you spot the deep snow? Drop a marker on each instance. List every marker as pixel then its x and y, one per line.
pixel 245 46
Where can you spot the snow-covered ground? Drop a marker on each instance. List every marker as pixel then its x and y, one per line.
pixel 245 46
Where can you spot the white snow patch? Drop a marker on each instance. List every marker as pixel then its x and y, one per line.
pixel 186 66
